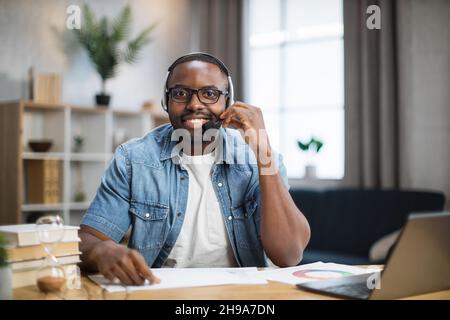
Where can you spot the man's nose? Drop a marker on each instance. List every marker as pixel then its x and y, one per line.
pixel 194 103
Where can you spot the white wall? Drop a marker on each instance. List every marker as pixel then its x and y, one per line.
pixel 33 33
pixel 425 95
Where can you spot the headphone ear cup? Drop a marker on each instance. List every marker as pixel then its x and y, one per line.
pixel 165 98
pixel 164 102
pixel 230 98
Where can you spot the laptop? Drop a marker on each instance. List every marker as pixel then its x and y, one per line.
pixel 418 264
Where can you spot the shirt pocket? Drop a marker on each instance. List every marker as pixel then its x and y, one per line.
pixel 150 225
pixel 244 224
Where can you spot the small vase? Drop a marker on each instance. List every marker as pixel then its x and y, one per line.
pixel 6 283
pixel 310 171
pixel 102 99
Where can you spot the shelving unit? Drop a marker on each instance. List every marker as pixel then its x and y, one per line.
pixel 102 130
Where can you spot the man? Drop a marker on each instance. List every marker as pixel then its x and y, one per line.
pixel 220 201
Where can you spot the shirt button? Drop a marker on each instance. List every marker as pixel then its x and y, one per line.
pixel 147 215
pixel 220 184
pixel 230 218
pixel 179 214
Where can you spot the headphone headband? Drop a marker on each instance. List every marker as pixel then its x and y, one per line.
pixel 204 54
pixel 222 66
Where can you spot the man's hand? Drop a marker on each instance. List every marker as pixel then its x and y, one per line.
pixel 243 116
pixel 117 261
pixel 249 121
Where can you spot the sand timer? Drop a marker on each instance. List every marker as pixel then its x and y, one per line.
pixel 50 276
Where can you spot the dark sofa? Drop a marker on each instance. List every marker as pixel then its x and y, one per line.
pixel 345 223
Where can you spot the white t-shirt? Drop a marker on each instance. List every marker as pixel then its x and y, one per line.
pixel 203 239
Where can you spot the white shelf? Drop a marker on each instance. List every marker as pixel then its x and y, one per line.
pixel 79 205
pixel 55 206
pixel 101 130
pixel 90 156
pixel 43 155
pixel 42 207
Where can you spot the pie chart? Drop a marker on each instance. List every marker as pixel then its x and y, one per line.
pixel 320 274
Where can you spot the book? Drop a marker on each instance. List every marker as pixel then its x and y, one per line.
pixel 38 252
pixel 20 235
pixel 29 277
pixel 43 181
pixel 37 263
pixel 46 87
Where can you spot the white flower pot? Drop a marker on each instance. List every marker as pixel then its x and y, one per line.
pixel 6 283
pixel 310 172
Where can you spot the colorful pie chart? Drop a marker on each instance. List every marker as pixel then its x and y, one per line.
pixel 320 274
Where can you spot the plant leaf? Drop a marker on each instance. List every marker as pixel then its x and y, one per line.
pixel 303 146
pixel 134 46
pixel 121 25
pixel 317 143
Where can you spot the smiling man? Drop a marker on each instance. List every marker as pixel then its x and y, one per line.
pixel 204 191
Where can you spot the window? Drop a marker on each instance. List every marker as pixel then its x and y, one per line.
pixel 296 76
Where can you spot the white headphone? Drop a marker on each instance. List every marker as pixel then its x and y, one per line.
pixel 230 95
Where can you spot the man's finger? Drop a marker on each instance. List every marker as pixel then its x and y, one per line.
pixel 142 267
pixel 227 112
pixel 123 277
pixel 233 107
pixel 235 123
pixel 235 115
pixel 108 275
pixel 132 272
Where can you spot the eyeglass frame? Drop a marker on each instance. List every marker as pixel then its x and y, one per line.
pixel 196 91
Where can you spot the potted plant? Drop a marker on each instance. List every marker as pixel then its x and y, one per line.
pixel 5 272
pixel 312 148
pixel 108 46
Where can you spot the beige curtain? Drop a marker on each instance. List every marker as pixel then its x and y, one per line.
pixel 217 29
pixel 371 96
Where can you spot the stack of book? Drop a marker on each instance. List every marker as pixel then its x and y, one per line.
pixel 26 254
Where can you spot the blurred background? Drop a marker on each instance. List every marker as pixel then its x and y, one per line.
pixel 355 97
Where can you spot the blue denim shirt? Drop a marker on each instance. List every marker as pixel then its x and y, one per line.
pixel 146 187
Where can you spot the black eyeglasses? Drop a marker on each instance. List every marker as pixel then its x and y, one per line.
pixel 206 95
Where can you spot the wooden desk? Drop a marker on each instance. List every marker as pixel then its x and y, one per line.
pixel 270 291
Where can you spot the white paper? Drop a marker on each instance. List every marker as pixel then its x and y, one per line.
pixel 187 277
pixel 311 272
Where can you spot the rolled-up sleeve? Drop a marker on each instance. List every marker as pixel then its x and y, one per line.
pixel 108 212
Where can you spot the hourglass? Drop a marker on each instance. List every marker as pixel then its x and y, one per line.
pixel 50 276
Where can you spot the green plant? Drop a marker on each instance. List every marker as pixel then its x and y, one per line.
pixel 103 41
pixel 79 196
pixel 3 253
pixel 77 143
pixel 313 145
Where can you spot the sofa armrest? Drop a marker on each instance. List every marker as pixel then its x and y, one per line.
pixel 380 250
